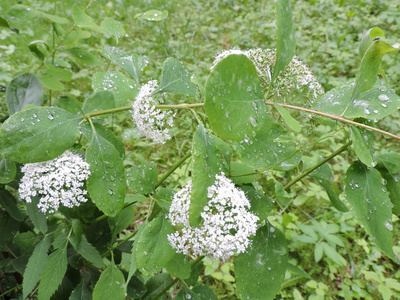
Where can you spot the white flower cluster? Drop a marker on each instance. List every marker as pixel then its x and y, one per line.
pixel 227 222
pixel 149 120
pixel 296 76
pixel 57 181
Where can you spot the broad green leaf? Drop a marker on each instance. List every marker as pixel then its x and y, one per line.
pixel 122 220
pixel 60 73
pixel 297 270
pixel 142 178
pixel 241 174
pixel 105 133
pixel 333 193
pixel 287 117
pixel 130 62
pixel 8 202
pixel 69 103
pixel 286 42
pixel 175 78
pixel 53 272
pixel 374 104
pixel 54 18
pixel 133 266
pixel 153 15
pixel 206 164
pixel 113 28
pixel 368 37
pixel 84 56
pixel 76 35
pixel 370 65
pixel 33 47
pixel 271 147
pixel 371 205
pixel 51 82
pixel 263 265
pixel 22 13
pixel 35 266
pixel 136 288
pixel 82 292
pixel 98 101
pixel 38 218
pixel 199 292
pixel 361 148
pixel 25 240
pixel 234 102
pixel 156 284
pixel 4 23
pixel 261 205
pixel 389 167
pixel 8 228
pixel 124 89
pixel 8 170
pixel 22 90
pixel 38 134
pixel 318 252
pixel 81 19
pixel 77 229
pixel 89 252
pixel 111 284
pixel 106 184
pixel 153 251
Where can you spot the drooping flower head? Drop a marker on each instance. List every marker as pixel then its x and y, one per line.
pixel 227 222
pixel 296 76
pixel 57 182
pixel 149 120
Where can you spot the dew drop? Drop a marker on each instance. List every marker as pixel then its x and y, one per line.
pixel 388 226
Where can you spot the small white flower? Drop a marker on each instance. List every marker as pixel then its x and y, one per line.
pixel 227 222
pixel 57 181
pixel 149 120
pixel 296 76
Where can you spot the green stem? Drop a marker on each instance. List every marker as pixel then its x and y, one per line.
pixel 338 118
pixel 119 244
pixel 174 167
pixel 17 287
pixel 173 282
pixel 309 170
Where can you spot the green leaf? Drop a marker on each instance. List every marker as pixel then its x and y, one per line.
pixel 389 167
pixel 113 28
pixel 153 15
pixel 370 65
pixel 272 147
pixel 124 89
pixel 98 101
pixel 297 270
pixel 90 253
pixel 23 90
pixel 132 63
pixel 261 205
pixel 33 47
pixel 332 190
pixel 234 102
pixel 362 150
pixel 289 120
pixel 263 265
pixel 111 284
pixel 4 23
pixel 8 170
pixel 81 292
pixel 53 272
pixel 333 255
pixel 81 19
pixel 58 72
pixel 371 205
pixel 318 252
pixel 133 262
pixel 54 18
pixel 154 252
pixel 175 78
pixel 35 266
pixel 199 292
pixel 106 184
pixel 84 56
pixel 206 164
pixel 239 173
pixel 8 202
pixel 38 218
pixel 368 37
pixel 374 104
pixel 38 134
pixel 51 82
pixel 122 220
pixel 22 13
pixel 142 178
pixel 286 42
pixel 69 104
